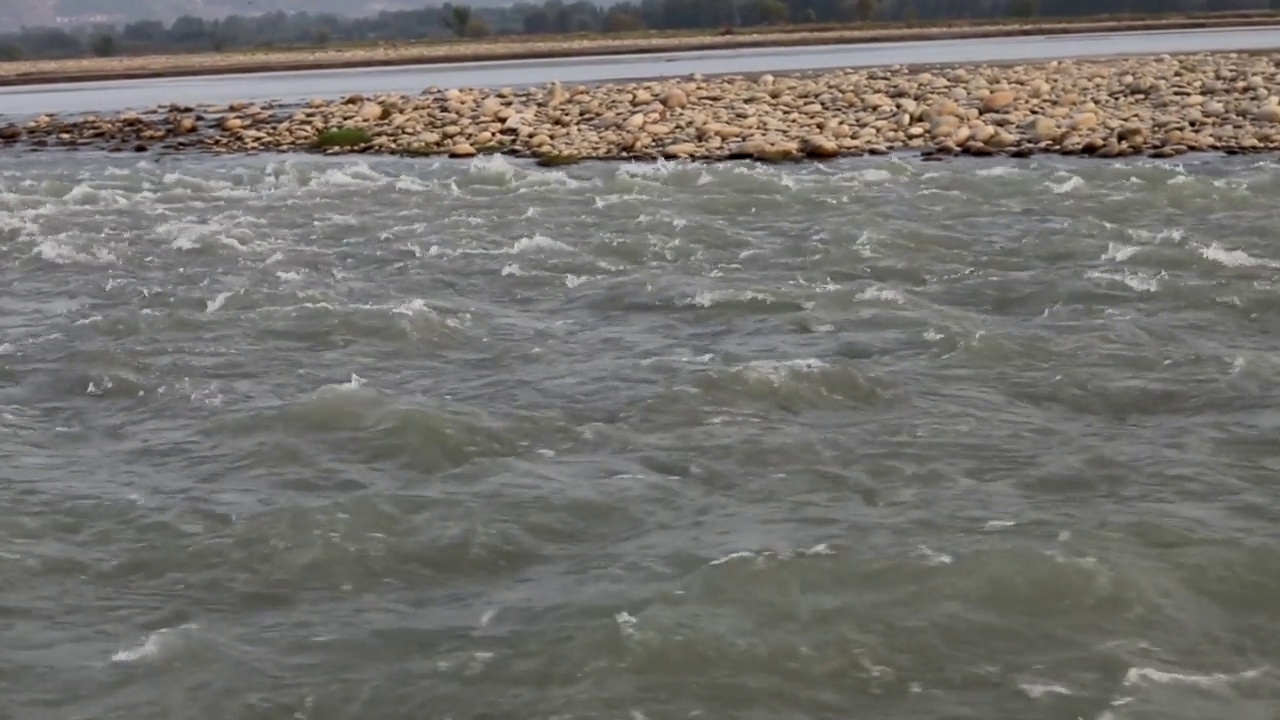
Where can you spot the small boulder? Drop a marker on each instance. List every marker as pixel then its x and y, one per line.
pixel 820 147
pixel 680 150
pixel 462 150
pixel 1001 140
pixel 490 107
pixel 674 98
pixel 1132 134
pixel 997 101
pixel 1083 121
pixel 1268 114
pixel 1041 129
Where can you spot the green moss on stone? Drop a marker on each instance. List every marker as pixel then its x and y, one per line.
pixel 344 137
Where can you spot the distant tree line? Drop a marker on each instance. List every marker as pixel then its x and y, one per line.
pixel 190 33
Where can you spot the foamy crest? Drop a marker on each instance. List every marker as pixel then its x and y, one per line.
pixel 1235 258
pixel 1074 182
pixel 777 372
pixel 1119 253
pixel 154 645
pixel 219 300
pixel 710 298
pixel 882 294
pixel 763 557
pixel 932 557
pixel 1038 690
pixel 1141 676
pixel 56 251
pixel 997 171
pixel 538 243
pixel 1135 281
pixel 626 623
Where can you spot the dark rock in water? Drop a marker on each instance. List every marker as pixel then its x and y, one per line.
pixel 140 147
pixel 10 133
pixel 558 160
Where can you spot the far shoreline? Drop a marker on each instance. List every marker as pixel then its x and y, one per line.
pixel 93 70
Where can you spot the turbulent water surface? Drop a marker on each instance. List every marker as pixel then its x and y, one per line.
pixel 337 438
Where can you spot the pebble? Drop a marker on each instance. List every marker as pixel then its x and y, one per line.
pixel 1160 106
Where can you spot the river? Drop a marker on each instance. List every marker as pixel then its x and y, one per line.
pixel 297 86
pixel 323 438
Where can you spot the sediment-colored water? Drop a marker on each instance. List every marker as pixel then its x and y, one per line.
pixel 375 438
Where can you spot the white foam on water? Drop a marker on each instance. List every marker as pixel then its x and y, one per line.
pixel 412 307
pixel 739 555
pixel 1140 676
pixel 491 164
pixel 626 623
pixel 998 171
pixel 354 175
pixel 711 298
pixel 999 524
pixel 1039 690
pixel 1074 182
pixel 933 557
pixel 153 646
pixel 538 243
pixel 819 549
pixel 219 300
pixel 882 294
pixel 1135 281
pixel 697 359
pixel 529 245
pixel 872 175
pixel 1234 258
pixel 87 195
pixel 1119 253
pixel 62 253
pixel 777 372
pixel 405 183
pixel 759 558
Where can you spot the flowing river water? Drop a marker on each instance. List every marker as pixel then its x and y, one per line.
pixel 334 438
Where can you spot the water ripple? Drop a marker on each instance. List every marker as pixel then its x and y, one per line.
pixel 353 438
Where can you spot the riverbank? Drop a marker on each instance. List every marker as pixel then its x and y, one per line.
pixel 1163 106
pixel 535 48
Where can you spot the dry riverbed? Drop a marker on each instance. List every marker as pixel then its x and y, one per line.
pixel 1161 106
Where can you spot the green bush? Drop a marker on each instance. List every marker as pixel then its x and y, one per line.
pixel 344 137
